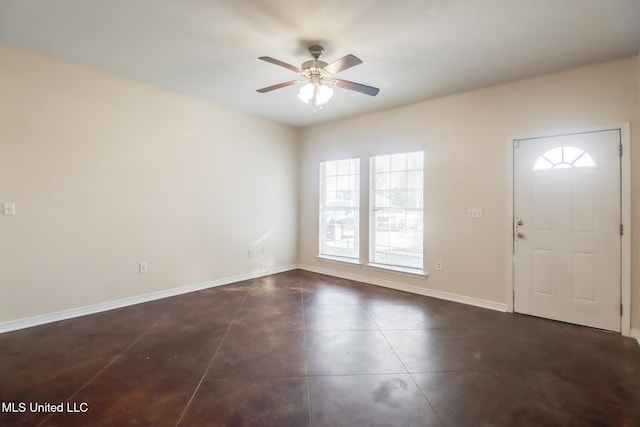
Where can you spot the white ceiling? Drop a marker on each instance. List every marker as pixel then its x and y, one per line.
pixel 412 50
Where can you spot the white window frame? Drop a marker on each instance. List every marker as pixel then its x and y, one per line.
pixel 418 213
pixel 346 214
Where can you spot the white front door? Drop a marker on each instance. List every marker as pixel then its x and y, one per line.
pixel 567 237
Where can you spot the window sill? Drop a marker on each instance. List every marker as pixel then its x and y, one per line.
pixel 339 260
pixel 410 272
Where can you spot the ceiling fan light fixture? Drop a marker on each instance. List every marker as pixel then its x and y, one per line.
pixel 316 92
pixel 323 94
pixel 306 92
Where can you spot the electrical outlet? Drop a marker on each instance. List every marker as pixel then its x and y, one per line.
pixel 474 212
pixel 438 265
pixel 143 267
pixel 249 253
pixel 9 208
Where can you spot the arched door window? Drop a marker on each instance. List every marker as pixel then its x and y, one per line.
pixel 564 157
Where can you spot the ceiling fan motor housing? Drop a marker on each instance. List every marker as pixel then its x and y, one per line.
pixel 313 67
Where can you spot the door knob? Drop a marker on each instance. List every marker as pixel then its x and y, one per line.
pixel 520 235
pixel 520 222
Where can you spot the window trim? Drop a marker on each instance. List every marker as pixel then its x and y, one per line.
pixel 339 260
pixel 404 270
pixel 321 206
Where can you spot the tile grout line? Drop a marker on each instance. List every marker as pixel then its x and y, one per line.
pixel 426 398
pixel 405 367
pixel 206 371
pixel 111 362
pixel 306 358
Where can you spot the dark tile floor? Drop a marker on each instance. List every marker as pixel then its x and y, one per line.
pixel 301 349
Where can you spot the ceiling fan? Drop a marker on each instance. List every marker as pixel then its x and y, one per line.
pixel 319 83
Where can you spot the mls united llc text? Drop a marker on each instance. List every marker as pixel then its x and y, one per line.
pixel 20 407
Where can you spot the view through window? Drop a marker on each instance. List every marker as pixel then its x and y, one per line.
pixel 563 158
pixel 339 208
pixel 397 210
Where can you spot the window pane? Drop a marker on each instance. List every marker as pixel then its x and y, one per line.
pixel 414 179
pixel 584 161
pixel 397 218
pixel 344 198
pixel 355 198
pixel 331 198
pixel 554 156
pixel 398 198
pixel 564 158
pixel 399 162
pixel 397 239
pixel 398 180
pixel 414 199
pixel 382 199
pixel 343 183
pixel 330 168
pixel 571 154
pixel 343 167
pixel 382 163
pixel 339 213
pixel 542 163
pixel 330 183
pixel 382 181
pixel 354 181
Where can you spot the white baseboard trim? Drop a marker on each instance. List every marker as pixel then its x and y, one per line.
pixel 28 322
pixel 635 333
pixel 408 288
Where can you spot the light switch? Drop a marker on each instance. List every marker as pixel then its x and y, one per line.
pixel 9 208
pixel 474 212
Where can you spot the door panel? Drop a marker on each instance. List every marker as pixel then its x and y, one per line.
pixel 585 272
pixel 567 245
pixel 542 271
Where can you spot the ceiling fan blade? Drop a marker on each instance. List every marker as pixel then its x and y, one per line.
pixel 345 84
pixel 280 63
pixel 342 64
pixel 278 86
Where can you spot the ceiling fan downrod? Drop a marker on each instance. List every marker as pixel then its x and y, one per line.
pixel 316 52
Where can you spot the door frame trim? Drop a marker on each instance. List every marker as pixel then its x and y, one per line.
pixel 625 206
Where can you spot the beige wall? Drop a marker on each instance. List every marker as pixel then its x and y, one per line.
pixel 106 173
pixel 635 210
pixel 465 141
